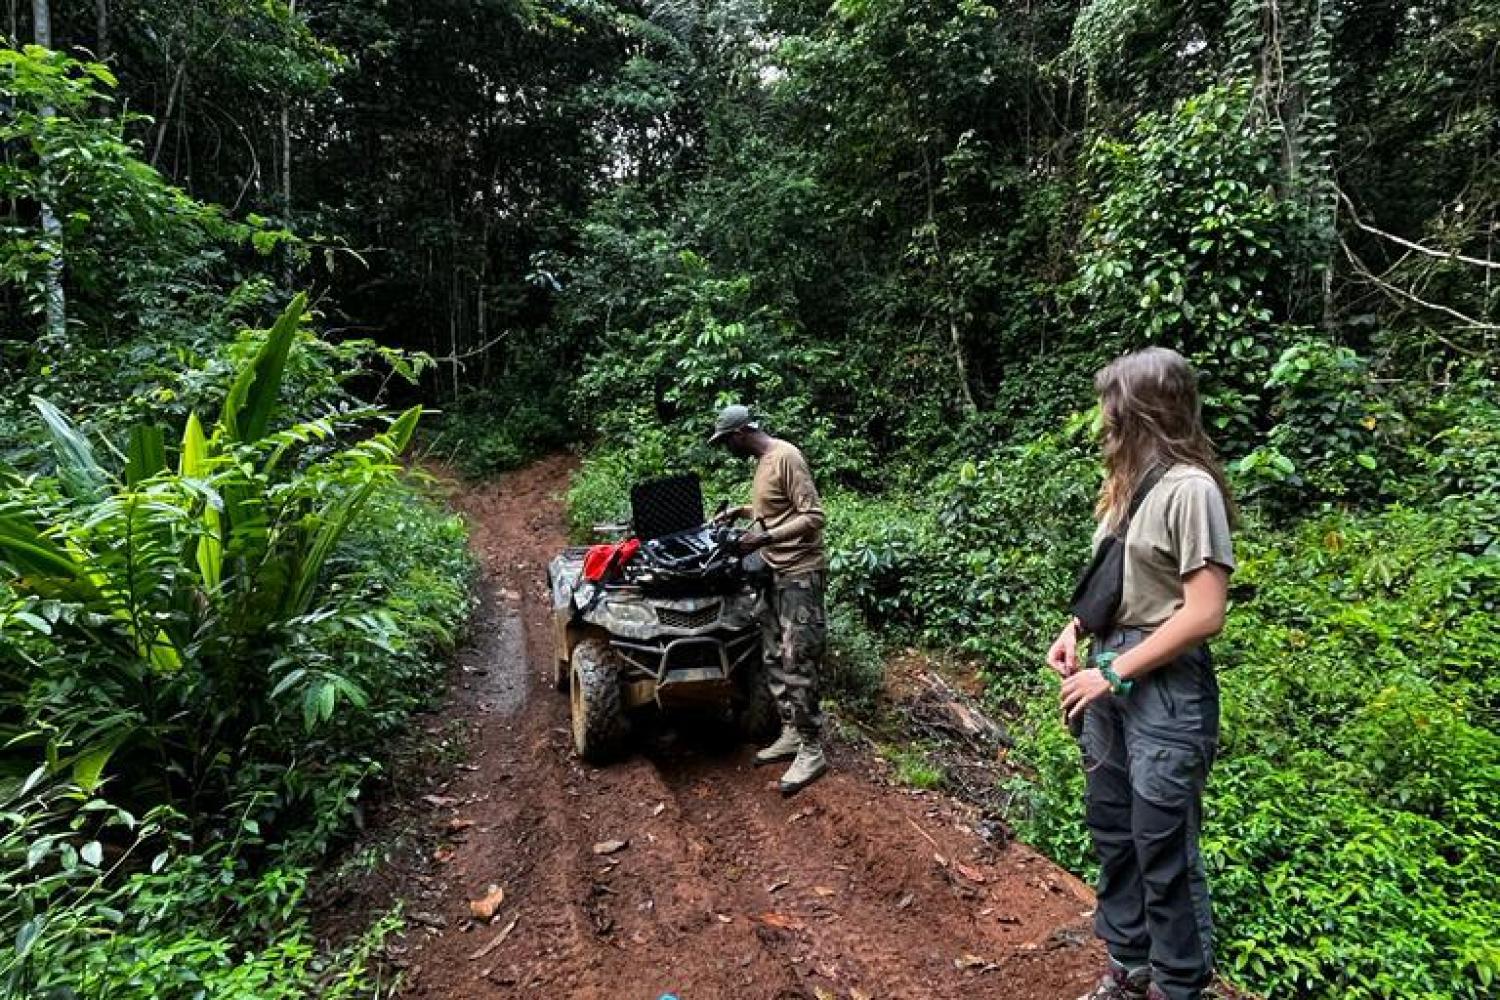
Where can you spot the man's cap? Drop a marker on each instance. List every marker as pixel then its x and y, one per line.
pixel 732 418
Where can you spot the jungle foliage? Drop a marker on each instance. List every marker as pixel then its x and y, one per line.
pixel 221 594
pixel 907 233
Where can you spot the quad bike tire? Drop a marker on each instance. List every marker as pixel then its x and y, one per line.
pixel 755 713
pixel 561 668
pixel 600 728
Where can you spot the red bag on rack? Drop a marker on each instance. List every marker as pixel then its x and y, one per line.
pixel 603 561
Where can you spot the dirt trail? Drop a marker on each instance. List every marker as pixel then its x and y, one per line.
pixel 726 891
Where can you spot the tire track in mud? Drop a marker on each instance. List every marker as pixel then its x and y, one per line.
pixel 725 891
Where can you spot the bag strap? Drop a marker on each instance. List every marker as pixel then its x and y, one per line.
pixel 1152 477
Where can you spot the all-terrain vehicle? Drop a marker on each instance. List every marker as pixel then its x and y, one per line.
pixel 663 620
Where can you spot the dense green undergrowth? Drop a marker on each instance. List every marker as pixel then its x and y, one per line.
pixel 221 592
pixel 206 649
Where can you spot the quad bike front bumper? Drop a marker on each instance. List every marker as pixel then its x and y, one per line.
pixel 686 670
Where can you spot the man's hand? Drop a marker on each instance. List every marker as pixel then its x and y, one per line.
pixel 1079 690
pixel 731 515
pixel 1063 656
pixel 754 541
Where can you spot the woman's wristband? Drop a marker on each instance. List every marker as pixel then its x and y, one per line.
pixel 1119 687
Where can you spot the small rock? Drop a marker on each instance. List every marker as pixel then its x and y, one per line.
pixel 484 908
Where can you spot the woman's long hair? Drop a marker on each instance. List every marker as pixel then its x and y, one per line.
pixel 1148 402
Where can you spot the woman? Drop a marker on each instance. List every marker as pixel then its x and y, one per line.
pixel 1148 699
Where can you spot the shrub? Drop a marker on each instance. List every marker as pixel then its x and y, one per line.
pixel 201 658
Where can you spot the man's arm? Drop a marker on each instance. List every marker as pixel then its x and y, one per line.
pixel 808 518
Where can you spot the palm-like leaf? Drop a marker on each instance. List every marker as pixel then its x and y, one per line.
pixel 252 399
pixel 77 468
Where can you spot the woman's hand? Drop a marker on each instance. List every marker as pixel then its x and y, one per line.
pixel 1063 656
pixel 1079 690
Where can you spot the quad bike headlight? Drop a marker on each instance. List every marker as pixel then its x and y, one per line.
pixel 639 614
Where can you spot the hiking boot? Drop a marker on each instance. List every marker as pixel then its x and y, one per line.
pixel 1119 983
pixel 785 747
pixel 807 768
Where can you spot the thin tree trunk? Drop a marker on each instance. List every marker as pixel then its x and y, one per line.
pixel 955 336
pixel 286 143
pixel 101 29
pixel 166 117
pixel 57 312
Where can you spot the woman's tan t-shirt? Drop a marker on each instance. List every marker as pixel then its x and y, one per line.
pixel 1182 525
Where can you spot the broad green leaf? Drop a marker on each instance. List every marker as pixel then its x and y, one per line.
pixel 48 568
pixel 88 769
pixel 77 468
pixel 401 429
pixel 194 464
pixel 27 935
pixel 252 399
pixel 286 682
pixel 146 455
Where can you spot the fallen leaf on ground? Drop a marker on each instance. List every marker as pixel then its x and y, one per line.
pixel 823 994
pixel 778 885
pixel 456 825
pixel 724 918
pixel 974 962
pixel 443 855
pixel 440 801
pixel 940 860
pixel 906 901
pixel 781 920
pixel 803 814
pixel 661 807
pixel 610 846
pixel 822 890
pixel 498 940
pixel 972 874
pixel 484 908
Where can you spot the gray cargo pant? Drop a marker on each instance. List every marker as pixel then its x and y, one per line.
pixel 1148 755
pixel 794 634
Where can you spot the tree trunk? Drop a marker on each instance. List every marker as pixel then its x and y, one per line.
pixel 286 144
pixel 101 29
pixel 57 313
pixel 955 336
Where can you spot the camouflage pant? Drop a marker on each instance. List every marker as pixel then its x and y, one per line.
pixel 794 633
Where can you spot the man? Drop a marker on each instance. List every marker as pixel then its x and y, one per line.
pixel 788 532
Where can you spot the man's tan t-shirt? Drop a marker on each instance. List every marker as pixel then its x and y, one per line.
pixel 1182 525
pixel 784 496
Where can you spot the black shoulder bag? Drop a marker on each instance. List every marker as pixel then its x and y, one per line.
pixel 1096 598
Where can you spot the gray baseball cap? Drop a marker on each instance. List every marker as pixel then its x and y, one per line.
pixel 732 418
